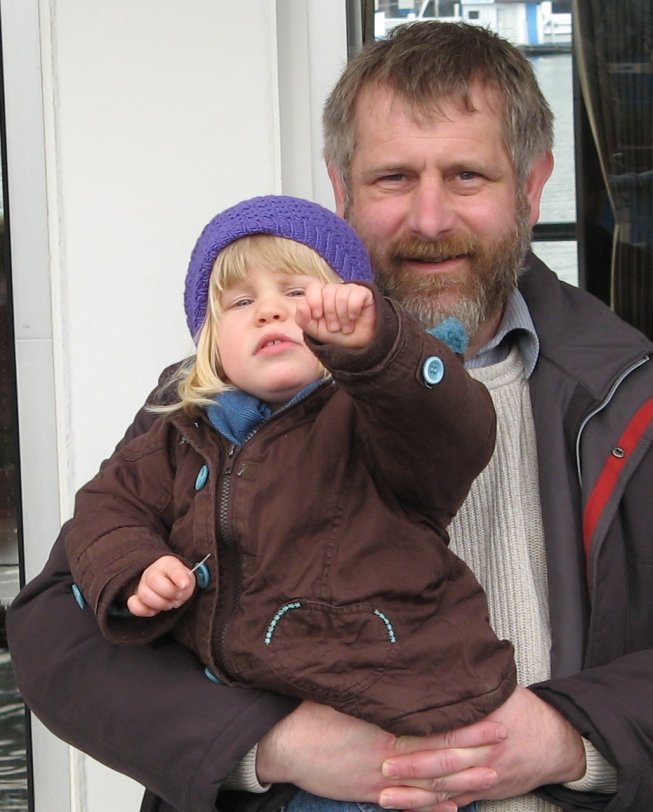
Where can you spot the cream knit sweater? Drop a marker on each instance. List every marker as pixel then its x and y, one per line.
pixel 498 532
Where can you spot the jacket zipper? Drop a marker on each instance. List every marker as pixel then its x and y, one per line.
pixel 615 386
pixel 229 564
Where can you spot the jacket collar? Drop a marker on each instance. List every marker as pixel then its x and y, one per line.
pixel 577 332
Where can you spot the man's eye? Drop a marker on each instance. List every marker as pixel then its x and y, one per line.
pixel 468 175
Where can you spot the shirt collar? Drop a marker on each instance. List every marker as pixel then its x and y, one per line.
pixel 516 326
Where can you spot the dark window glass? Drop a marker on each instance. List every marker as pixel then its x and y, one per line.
pixel 14 786
pixel 614 42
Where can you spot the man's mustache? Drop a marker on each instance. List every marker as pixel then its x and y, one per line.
pixel 413 248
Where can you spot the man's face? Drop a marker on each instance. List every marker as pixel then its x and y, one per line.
pixel 436 202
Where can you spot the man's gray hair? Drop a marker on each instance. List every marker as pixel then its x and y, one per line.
pixel 429 64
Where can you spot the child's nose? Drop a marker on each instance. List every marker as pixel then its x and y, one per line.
pixel 270 309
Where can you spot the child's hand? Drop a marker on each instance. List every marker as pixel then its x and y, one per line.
pixel 166 584
pixel 338 314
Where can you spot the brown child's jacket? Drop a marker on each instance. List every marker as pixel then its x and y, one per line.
pixel 330 577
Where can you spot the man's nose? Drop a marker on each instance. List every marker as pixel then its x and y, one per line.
pixel 432 213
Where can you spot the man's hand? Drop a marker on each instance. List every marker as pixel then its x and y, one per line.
pixel 336 756
pixel 338 314
pixel 541 747
pixel 166 584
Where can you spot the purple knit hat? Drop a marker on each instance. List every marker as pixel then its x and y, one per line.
pixel 290 217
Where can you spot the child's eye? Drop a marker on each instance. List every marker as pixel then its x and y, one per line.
pixel 296 292
pixel 242 301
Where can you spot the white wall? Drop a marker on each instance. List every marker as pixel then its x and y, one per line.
pixel 161 114
pixel 129 124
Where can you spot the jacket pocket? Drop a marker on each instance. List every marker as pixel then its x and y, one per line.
pixel 329 652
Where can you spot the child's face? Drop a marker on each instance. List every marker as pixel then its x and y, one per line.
pixel 262 348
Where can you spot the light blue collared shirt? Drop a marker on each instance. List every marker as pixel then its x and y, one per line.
pixel 516 325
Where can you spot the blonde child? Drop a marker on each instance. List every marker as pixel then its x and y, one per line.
pixel 286 515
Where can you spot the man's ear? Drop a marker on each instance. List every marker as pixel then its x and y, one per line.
pixel 539 174
pixel 339 189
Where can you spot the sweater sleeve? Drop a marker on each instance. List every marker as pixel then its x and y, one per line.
pixel 600 775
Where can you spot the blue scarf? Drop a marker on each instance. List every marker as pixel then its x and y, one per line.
pixel 452 332
pixel 237 414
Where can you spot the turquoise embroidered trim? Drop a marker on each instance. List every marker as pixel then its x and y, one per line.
pixel 275 620
pixel 388 625
pixel 297 605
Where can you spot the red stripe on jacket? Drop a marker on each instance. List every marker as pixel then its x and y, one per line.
pixel 609 476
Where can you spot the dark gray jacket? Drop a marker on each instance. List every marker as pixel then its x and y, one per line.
pixel 591 393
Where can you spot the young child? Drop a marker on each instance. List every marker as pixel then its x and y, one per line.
pixel 286 515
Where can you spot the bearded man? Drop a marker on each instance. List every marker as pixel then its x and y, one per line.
pixel 438 145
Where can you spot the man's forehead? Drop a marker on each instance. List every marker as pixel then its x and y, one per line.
pixel 382 101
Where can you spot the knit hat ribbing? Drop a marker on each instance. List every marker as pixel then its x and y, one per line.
pixel 290 217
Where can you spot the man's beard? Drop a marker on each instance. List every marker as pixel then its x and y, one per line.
pixel 493 271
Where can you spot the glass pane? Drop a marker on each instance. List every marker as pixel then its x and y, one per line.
pixel 13 770
pixel 616 78
pixel 554 74
pixel 561 257
pixel 14 793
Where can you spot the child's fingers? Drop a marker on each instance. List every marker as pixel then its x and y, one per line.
pixel 146 602
pixel 138 608
pixel 166 584
pixel 343 306
pixel 337 313
pixel 172 592
pixel 176 571
pixel 352 306
pixel 313 299
pixel 332 296
pixel 308 313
